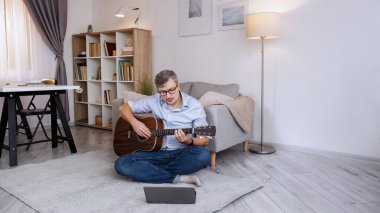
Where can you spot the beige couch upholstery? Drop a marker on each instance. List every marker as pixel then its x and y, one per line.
pixel 228 132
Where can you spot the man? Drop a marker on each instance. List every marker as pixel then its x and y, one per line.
pixel 180 154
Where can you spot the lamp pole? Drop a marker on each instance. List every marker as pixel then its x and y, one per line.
pixel 262 149
pixel 262 93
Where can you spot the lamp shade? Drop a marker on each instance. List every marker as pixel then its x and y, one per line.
pixel 263 25
pixel 120 12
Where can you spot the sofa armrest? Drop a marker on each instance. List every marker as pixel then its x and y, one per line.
pixel 115 111
pixel 228 132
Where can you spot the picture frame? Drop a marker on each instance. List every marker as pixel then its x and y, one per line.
pixel 195 17
pixel 232 15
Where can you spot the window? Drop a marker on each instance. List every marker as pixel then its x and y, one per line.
pixel 24 56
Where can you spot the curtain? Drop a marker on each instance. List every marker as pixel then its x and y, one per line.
pixel 24 56
pixel 50 17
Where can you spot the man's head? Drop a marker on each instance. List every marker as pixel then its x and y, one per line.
pixel 167 85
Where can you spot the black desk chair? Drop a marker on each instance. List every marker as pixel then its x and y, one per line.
pixel 32 110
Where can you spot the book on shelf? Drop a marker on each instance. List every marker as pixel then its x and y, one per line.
pixel 81 71
pixel 107 96
pixel 127 51
pixel 110 48
pixel 94 49
pixel 126 70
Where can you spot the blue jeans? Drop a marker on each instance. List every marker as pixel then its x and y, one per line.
pixel 163 166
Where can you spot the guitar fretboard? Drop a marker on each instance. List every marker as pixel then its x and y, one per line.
pixel 164 132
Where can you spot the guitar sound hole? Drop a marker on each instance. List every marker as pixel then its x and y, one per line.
pixel 141 139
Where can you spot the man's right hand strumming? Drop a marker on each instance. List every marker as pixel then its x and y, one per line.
pixel 140 128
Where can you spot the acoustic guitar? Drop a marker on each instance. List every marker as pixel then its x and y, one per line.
pixel 126 140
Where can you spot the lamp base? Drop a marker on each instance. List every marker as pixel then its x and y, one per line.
pixel 264 149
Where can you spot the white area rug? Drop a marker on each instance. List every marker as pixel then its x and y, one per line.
pixel 88 183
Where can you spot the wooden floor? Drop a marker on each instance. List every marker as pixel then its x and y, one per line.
pixel 293 181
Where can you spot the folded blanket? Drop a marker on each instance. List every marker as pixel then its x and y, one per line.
pixel 242 108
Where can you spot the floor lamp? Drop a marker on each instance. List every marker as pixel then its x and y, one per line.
pixel 262 26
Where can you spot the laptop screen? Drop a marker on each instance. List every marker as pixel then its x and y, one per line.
pixel 171 195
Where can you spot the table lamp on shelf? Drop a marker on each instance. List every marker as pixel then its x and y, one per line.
pixel 262 26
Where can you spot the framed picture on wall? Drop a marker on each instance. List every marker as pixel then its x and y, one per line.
pixel 195 17
pixel 232 15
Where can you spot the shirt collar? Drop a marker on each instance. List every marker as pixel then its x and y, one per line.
pixel 184 104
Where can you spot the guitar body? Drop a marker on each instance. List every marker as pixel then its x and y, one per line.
pixel 127 141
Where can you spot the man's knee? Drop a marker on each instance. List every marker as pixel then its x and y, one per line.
pixel 121 165
pixel 202 155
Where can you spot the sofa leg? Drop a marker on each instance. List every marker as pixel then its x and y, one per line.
pixel 212 161
pixel 245 146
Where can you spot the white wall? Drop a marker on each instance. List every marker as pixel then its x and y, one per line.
pixel 79 16
pixel 321 75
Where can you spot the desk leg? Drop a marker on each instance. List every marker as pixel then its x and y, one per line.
pixel 12 130
pixel 3 124
pixel 54 124
pixel 57 105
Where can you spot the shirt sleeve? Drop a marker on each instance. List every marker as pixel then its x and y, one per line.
pixel 142 105
pixel 200 120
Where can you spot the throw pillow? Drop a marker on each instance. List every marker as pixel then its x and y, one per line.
pixel 132 96
pixel 200 88
pixel 211 97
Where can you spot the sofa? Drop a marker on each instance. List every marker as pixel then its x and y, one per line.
pixel 228 132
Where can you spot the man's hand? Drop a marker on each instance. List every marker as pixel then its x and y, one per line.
pixel 181 136
pixel 141 129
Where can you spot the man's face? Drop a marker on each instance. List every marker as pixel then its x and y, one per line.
pixel 169 92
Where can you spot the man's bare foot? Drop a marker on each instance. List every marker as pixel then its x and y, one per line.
pixel 190 179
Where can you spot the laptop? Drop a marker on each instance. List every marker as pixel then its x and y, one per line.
pixel 171 195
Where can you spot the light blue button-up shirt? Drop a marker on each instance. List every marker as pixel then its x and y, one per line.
pixel 189 115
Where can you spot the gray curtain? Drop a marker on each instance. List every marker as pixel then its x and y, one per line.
pixel 50 18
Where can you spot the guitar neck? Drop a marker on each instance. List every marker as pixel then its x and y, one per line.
pixel 164 132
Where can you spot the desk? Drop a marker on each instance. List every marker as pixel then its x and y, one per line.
pixel 12 93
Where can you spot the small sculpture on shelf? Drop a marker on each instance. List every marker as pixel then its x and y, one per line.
pixel 89 28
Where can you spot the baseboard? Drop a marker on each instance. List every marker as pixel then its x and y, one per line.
pixel 322 152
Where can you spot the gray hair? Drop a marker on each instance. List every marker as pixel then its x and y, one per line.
pixel 164 76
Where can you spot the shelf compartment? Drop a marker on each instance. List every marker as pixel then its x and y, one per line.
pixel 107 117
pixel 81 112
pixel 108 69
pixel 93 112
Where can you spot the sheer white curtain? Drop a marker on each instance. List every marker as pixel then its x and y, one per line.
pixel 24 56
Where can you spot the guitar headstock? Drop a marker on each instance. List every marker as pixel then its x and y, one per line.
pixel 205 131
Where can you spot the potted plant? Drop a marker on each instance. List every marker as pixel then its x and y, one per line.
pixel 146 86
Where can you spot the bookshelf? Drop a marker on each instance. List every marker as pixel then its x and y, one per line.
pixel 105 64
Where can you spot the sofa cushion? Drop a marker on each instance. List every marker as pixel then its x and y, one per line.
pixel 200 88
pixel 186 87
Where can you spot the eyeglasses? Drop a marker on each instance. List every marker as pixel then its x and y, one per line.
pixel 171 91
